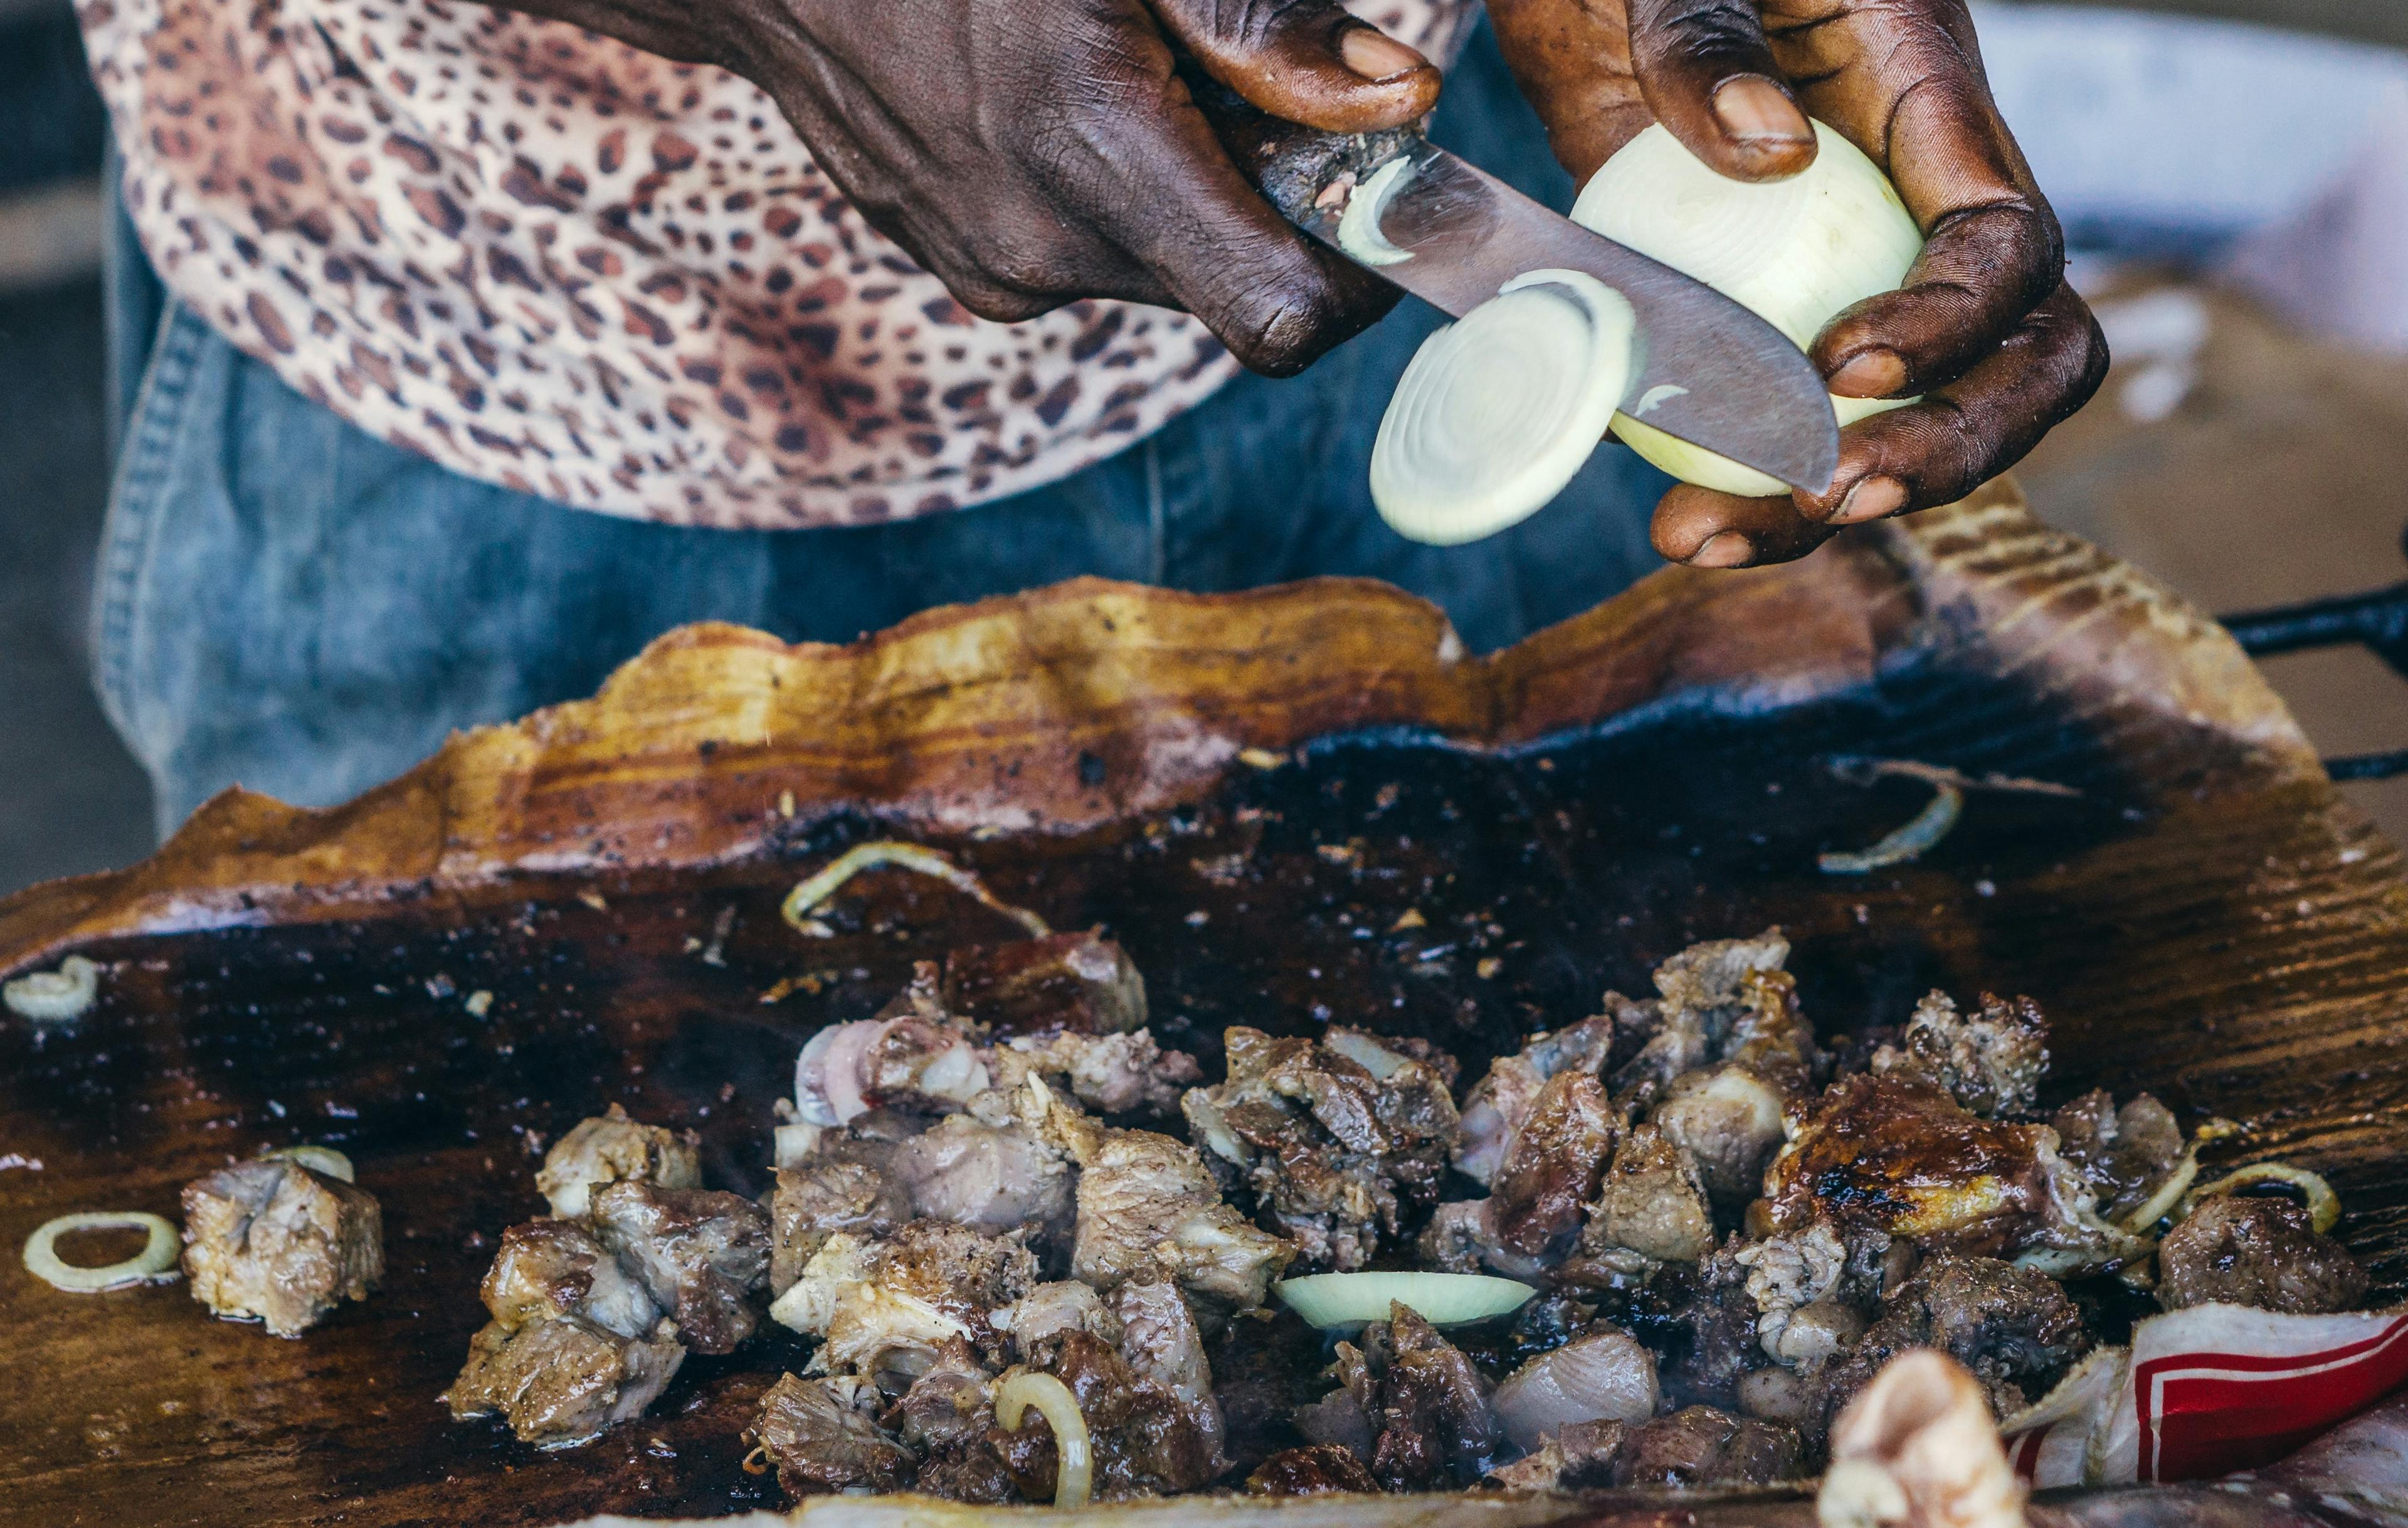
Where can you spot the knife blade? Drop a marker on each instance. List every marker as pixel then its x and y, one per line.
pixel 1708 371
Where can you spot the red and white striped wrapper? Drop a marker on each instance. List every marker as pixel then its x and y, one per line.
pixel 2206 1391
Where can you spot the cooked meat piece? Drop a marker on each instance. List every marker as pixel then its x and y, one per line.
pixel 1552 1165
pixel 2013 1329
pixel 889 1307
pixel 1149 1209
pixel 1702 1447
pixel 1265 1365
pixel 1316 1469
pixel 1918 1447
pixel 1704 988
pixel 1727 1118
pixel 559 1380
pixel 1806 1313
pixel 1340 1420
pixel 1651 1204
pixel 612 1148
pixel 822 1436
pixel 1117 1074
pixel 1501 1101
pixel 1144 1440
pixel 2256 1251
pixel 1428 1405
pixel 945 1419
pixel 547 1268
pixel 1456 1239
pixel 1898 1155
pixel 2124 1154
pixel 1579 1458
pixel 912 1056
pixel 703 1256
pixel 275 1242
pixel 992 1177
pixel 1991 1062
pixel 1604 1376
pixel 1709 1302
pixel 1337 1138
pixel 1048 1310
pixel 1161 1343
pixel 846 1185
pixel 1074 984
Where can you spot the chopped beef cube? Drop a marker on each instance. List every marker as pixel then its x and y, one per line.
pixel 1118 1074
pixel 1048 1310
pixel 1650 1206
pixel 2124 1154
pixel 1579 1458
pixel 1075 983
pixel 988 1176
pixel 613 1148
pixel 273 1241
pixel 1341 1420
pixel 1339 1139
pixel 822 1436
pixel 887 1308
pixel 1501 1101
pixel 1427 1406
pixel 1991 1062
pixel 1604 1376
pixel 945 1419
pixel 1553 1166
pixel 1143 1440
pixel 704 1257
pixel 1160 1341
pixel 560 1381
pixel 1711 1303
pixel 2256 1251
pixel 1700 1445
pixel 1316 1469
pixel 1705 989
pixel 547 1268
pixel 848 1184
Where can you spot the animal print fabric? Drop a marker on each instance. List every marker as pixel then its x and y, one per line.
pixel 549 261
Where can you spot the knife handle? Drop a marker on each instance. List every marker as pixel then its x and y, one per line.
pixel 1291 162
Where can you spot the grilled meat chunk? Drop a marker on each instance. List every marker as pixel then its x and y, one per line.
pixel 1704 989
pixel 1067 984
pixel 1423 1403
pixel 1316 1469
pixel 1552 1165
pixel 703 1256
pixel 612 1148
pixel 550 1268
pixel 1603 1376
pixel 1580 1457
pixel 1500 1102
pixel 822 1436
pixel 1116 1073
pixel 1041 1316
pixel 1651 1209
pixel 1147 1209
pixel 1729 1116
pixel 945 1419
pixel 1144 1440
pixel 1991 1062
pixel 888 1308
pixel 1338 1139
pixel 992 1177
pixel 1700 1445
pixel 2256 1251
pixel 560 1381
pixel 2123 1155
pixel 275 1242
pixel 846 1184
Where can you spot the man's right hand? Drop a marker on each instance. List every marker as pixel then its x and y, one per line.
pixel 1030 154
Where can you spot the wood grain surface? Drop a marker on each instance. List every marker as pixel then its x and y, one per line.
pixel 1250 791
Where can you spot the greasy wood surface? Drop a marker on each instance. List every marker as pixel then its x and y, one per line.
pixel 2206 920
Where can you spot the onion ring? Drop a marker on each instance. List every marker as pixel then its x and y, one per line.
pixel 154 1264
pixel 1074 1472
pixel 2324 1206
pixel 880 853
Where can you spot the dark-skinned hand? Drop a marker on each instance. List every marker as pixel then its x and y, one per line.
pixel 1985 330
pixel 1034 154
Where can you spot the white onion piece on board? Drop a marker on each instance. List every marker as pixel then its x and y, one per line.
pixel 154 1264
pixel 1498 410
pixel 1358 226
pixel 1794 251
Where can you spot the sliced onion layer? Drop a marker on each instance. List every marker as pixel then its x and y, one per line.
pixel 1358 226
pixel 1795 251
pixel 882 853
pixel 154 1264
pixel 1074 1467
pixel 53 997
pixel 316 1159
pixel 2324 1206
pixel 1335 1302
pixel 1497 411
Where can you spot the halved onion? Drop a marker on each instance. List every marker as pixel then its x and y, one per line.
pixel 2324 1206
pixel 154 1264
pixel 1795 251
pixel 1498 410
pixel 1335 1302
pixel 316 1159
pixel 53 997
pixel 1074 1466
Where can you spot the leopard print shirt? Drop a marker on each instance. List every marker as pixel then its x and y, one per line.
pixel 549 261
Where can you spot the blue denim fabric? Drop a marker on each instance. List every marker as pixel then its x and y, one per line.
pixel 287 602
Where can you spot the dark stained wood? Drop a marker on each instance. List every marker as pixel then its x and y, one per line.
pixel 2207 920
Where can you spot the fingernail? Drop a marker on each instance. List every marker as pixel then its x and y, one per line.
pixel 1872 374
pixel 1872 499
pixel 1723 549
pixel 1753 107
pixel 1377 56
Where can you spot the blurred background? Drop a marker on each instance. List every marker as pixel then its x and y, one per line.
pixel 2233 175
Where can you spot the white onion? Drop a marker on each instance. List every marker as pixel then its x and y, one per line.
pixel 1358 226
pixel 1796 252
pixel 881 853
pixel 52 997
pixel 1338 1300
pixel 318 1158
pixel 1074 1467
pixel 154 1264
pixel 1497 411
pixel 2324 1206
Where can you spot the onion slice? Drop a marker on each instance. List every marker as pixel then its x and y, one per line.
pixel 1498 411
pixel 881 853
pixel 1338 1301
pixel 1074 1469
pixel 2168 1193
pixel 316 1159
pixel 154 1264
pixel 53 997
pixel 2324 1206
pixel 1358 226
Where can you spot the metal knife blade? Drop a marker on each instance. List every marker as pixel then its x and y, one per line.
pixel 1710 372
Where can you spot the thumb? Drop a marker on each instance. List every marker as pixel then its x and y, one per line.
pixel 1307 60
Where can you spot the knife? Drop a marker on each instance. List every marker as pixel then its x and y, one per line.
pixel 1709 371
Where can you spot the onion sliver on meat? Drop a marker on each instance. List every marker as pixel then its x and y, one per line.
pixel 1793 252
pixel 1074 1468
pixel 2323 1204
pixel 1496 411
pixel 154 1264
pixel 316 1159
pixel 1335 1302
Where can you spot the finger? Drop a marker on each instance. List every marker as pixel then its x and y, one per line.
pixel 1572 59
pixel 1307 60
pixel 1707 529
pixel 1709 75
pixel 1959 437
